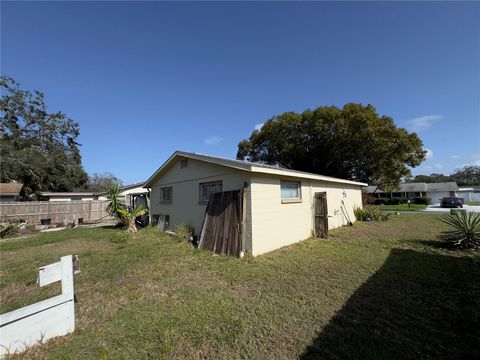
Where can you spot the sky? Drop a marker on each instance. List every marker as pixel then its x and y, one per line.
pixel 144 79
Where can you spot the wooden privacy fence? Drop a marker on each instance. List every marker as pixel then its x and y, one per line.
pixel 222 225
pixel 35 211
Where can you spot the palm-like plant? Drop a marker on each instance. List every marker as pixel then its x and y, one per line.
pixel 464 229
pixel 115 204
pixel 128 218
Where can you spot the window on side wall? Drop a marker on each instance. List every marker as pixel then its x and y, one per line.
pixel 166 195
pixel 207 189
pixel 290 191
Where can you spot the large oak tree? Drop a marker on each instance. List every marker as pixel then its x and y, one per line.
pixel 37 148
pixel 352 143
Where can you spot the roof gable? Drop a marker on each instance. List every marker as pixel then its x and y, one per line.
pixel 10 189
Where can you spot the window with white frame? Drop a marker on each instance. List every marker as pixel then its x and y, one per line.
pixel 290 191
pixel 207 189
pixel 166 194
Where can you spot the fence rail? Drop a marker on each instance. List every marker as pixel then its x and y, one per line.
pixel 35 211
pixel 43 320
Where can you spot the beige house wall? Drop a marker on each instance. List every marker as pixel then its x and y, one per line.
pixel 270 224
pixel 276 224
pixel 185 182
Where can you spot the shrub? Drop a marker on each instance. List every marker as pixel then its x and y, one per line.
pixel 464 230
pixel 184 231
pixel 380 201
pixel 422 200
pixel 370 213
pixel 13 227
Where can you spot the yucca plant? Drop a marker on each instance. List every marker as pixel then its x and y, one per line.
pixel 464 230
pixel 128 217
pixel 115 204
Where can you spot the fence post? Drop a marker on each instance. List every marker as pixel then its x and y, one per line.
pixel 67 288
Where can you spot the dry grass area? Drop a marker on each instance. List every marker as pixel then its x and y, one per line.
pixel 374 290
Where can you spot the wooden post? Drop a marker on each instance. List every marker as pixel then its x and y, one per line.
pixel 244 218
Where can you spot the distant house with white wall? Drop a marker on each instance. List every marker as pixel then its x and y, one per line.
pixel 132 195
pixel 434 191
pixel 69 196
pixel 469 194
pixel 279 207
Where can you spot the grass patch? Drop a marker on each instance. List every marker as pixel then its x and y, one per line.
pixel 381 290
pixel 402 207
pixel 473 203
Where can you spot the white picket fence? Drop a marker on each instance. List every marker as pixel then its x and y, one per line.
pixel 43 320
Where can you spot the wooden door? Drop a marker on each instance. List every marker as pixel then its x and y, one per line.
pixel 321 214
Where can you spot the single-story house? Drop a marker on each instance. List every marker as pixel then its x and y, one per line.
pixel 10 192
pixel 469 193
pixel 279 207
pixel 133 195
pixel 434 191
pixel 69 196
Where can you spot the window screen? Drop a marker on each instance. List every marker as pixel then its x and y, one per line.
pixel 207 189
pixel 290 190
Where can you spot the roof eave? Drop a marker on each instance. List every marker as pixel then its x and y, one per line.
pixel 299 175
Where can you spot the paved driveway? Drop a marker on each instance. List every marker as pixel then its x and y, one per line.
pixel 437 209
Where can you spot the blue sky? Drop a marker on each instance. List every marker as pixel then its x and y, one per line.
pixel 144 79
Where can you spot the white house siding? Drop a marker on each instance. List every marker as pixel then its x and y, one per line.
pixel 69 198
pixel 469 195
pixel 275 224
pixel 185 182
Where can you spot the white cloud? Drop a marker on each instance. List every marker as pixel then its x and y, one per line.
pixel 429 154
pixel 476 163
pixel 212 140
pixel 258 126
pixel 423 123
pixel 438 166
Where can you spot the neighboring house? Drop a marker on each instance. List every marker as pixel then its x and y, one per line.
pixel 10 192
pixel 434 191
pixel 69 196
pixel 469 194
pixel 133 195
pixel 278 203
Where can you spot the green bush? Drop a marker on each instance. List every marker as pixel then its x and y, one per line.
pixel 12 227
pixel 464 230
pixel 422 200
pixel 370 213
pixel 381 201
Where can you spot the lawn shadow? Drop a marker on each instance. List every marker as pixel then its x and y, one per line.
pixel 435 244
pixel 415 306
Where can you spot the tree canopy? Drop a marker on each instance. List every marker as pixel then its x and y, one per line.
pixel 37 148
pixel 466 176
pixel 102 182
pixel 353 142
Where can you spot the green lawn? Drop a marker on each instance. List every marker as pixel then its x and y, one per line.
pixel 384 290
pixel 476 203
pixel 402 207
